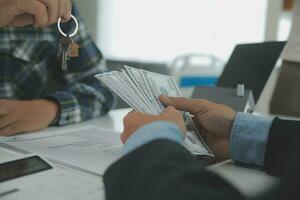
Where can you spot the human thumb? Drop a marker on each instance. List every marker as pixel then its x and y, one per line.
pixel 180 103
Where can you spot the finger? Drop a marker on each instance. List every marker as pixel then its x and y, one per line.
pixel 53 10
pixel 6 120
pixel 122 137
pixel 22 20
pixel 3 110
pixel 137 114
pixel 67 15
pixel 11 129
pixel 35 8
pixel 183 104
pixel 62 8
pixel 131 113
pixel 171 110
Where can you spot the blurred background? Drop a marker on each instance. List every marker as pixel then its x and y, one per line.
pixel 182 37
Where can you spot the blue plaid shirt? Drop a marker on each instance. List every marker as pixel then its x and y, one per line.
pixel 30 60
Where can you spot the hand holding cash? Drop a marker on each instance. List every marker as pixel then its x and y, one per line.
pixel 141 90
pixel 135 120
pixel 213 120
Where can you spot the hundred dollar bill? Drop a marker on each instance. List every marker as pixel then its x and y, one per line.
pixel 141 90
pixel 160 84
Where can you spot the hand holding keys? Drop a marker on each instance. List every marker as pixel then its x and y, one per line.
pixel 67 43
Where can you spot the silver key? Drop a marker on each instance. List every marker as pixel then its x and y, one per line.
pixel 66 41
pixel 65 45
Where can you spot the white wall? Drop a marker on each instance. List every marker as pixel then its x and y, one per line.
pixel 162 29
pixel 90 10
pixel 273 16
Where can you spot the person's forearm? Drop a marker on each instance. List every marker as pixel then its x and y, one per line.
pixel 81 102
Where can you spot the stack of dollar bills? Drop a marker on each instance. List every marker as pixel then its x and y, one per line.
pixel 141 90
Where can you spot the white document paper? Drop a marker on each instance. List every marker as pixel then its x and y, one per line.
pixel 89 148
pixel 292 49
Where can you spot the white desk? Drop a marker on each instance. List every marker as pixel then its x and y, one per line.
pixel 249 182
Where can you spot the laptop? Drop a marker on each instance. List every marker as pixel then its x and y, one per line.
pixel 251 65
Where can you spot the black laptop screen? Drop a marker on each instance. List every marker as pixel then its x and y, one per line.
pixel 251 64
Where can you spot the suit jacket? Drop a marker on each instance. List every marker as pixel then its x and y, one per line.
pixel 165 170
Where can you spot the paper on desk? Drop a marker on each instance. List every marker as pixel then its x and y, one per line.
pixel 88 147
pixel 291 51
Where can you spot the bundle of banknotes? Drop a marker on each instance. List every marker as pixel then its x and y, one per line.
pixel 141 90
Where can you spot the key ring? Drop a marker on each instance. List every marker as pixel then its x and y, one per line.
pixel 64 34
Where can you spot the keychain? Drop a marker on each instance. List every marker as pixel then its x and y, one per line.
pixel 69 47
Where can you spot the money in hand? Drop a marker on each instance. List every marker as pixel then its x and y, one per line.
pixel 141 90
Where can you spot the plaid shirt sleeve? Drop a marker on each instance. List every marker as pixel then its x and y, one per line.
pixel 83 96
